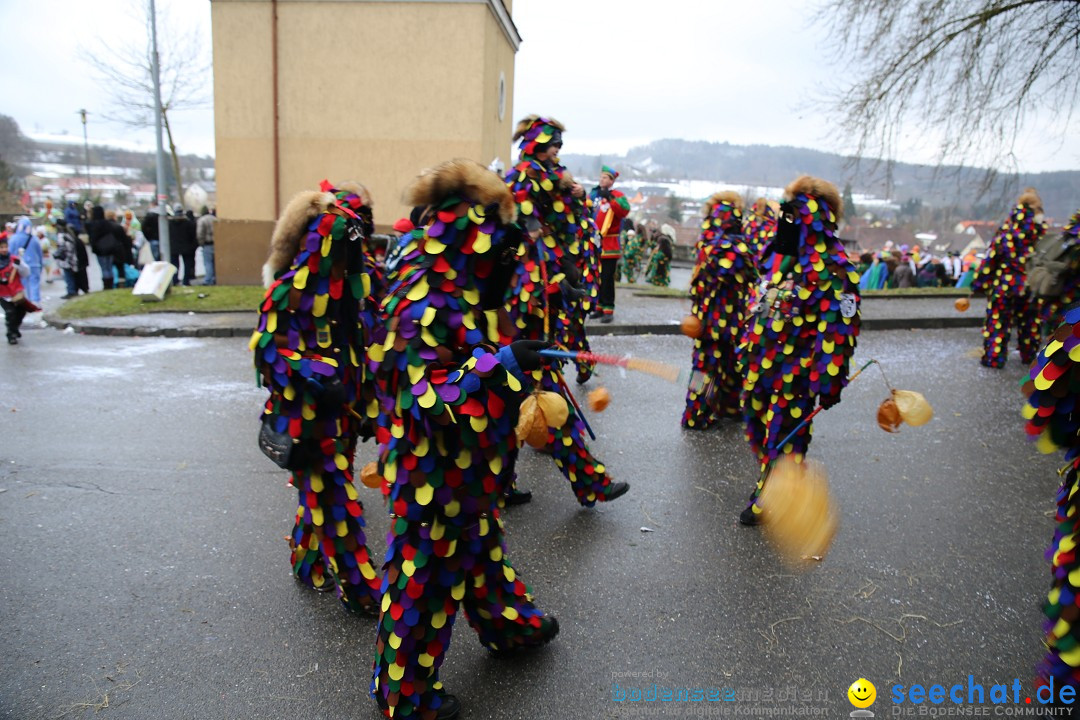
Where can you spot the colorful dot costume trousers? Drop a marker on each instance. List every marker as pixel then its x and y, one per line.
pixel 1003 311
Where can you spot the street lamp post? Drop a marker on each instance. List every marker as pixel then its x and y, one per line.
pixel 86 148
pixel 162 191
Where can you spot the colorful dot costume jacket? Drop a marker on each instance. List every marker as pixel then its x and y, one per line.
pixel 760 227
pixel 1001 278
pixel 720 288
pixel 450 403
pixel 804 325
pixel 315 323
pixel 536 299
pixel 570 330
pixel 1053 389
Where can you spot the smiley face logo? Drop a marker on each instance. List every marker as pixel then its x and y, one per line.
pixel 862 693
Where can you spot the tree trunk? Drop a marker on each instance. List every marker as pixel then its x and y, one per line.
pixel 175 157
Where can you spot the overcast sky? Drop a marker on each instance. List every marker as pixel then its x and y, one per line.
pixel 617 73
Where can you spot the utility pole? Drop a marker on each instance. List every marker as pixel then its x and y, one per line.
pixel 162 189
pixel 86 147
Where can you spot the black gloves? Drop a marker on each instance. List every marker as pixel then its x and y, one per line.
pixel 527 355
pixel 329 394
pixel 604 193
pixel 827 401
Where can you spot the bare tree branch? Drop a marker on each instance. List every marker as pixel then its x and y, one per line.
pixel 971 72
pixel 125 73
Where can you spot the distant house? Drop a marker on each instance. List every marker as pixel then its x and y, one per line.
pixel 876 239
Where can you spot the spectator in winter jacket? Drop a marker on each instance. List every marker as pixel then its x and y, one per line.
pixel 182 243
pixel 28 248
pixel 204 233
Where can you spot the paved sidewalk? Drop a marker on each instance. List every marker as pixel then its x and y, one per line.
pixel 635 314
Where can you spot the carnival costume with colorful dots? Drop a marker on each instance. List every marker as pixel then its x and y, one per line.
pixel 658 271
pixel 719 290
pixel 1050 308
pixel 570 316
pixel 804 326
pixel 450 403
pixel 314 325
pixel 535 296
pixel 630 262
pixel 760 227
pixel 1001 278
pixel 1053 391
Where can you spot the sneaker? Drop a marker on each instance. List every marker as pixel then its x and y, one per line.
pixel 584 376
pixel 12 340
pixel 615 490
pixel 749 517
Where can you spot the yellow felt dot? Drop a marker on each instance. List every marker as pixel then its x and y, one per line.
pixel 290 392
pixel 546 184
pixel 832 369
pixel 271 323
pixel 828 346
pixel 479 423
pixel 438 619
pixel 429 315
pixel 1071 657
pixel 313 543
pixel 368 571
pixel 796 412
pixel 408 567
pixel 510 613
pixel 424 494
pixel 317 483
pixel 341 461
pixel 496 464
pixel 558 206
pixel 418 291
pixel 301 277
pixel 811 205
pixel 254 340
pixel 496 553
pixel 526 207
pixel 307 412
pixel 317 516
pixel 452 509
pixel 425 660
pixel 427 400
pixel 472 296
pixel 458 591
pixel 482 243
pixel 396 671
pixel 508 573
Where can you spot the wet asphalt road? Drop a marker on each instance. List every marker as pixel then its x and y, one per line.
pixel 145 573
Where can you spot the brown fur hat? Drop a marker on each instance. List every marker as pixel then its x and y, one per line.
pixel 817 188
pixel 1031 198
pixel 470 179
pixel 566 181
pixel 291 228
pixel 527 122
pixel 724 196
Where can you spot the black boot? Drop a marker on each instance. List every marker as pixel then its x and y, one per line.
pixel 749 517
pixel 615 490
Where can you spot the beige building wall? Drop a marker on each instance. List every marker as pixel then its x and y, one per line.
pixel 367 90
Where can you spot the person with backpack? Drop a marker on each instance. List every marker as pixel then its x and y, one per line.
pixel 1001 278
pixel 1054 274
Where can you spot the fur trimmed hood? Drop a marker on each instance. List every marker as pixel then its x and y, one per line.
pixel 724 196
pixel 470 179
pixel 817 188
pixel 1030 197
pixel 291 227
pixel 527 123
